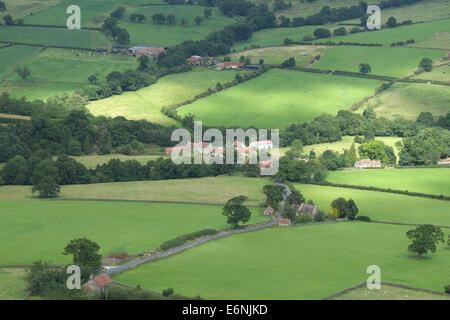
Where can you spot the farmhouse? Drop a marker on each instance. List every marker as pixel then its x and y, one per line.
pixel 444 161
pixel 367 163
pixel 153 52
pixel 284 222
pixel 230 65
pixel 268 211
pixel 98 283
pixel 310 209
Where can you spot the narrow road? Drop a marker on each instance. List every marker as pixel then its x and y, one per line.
pixel 135 263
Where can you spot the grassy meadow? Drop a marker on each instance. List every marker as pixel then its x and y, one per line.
pixel 438 73
pixel 57 71
pixel 12 284
pixel 186 190
pixel 39 230
pixel 394 62
pixel 14 56
pixel 23 8
pixel 146 103
pixel 382 206
pixel 280 98
pixel 293 263
pixel 432 181
pixel 407 100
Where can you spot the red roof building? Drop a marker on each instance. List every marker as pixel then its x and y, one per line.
pixel 284 222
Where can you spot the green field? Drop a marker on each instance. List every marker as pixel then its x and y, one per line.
pixel 418 32
pixel 293 263
pixel 187 190
pixel 388 292
pixel 407 100
pixel 431 181
pixel 383 206
pixel 394 62
pixel 280 98
pixel 23 8
pixel 57 71
pixel 146 103
pixel 13 56
pixel 39 230
pixel 12 284
pixel 91 161
pixel 439 73
pixel 62 37
pixel 170 35
pixel 303 55
pixel 345 143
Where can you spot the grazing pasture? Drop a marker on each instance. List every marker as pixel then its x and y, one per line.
pixel 383 206
pixel 146 103
pixel 407 100
pixel 439 73
pixel 24 8
pixel 280 98
pixel 14 56
pixel 57 71
pixel 310 262
pixel 61 37
pixel 12 284
pixel 394 62
pixel 185 190
pixel 39 230
pixel 432 181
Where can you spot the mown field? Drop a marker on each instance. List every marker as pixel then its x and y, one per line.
pixel 407 100
pixel 394 62
pixel 383 206
pixel 303 55
pixel 418 32
pixel 146 103
pixel 280 98
pixel 186 190
pixel 293 263
pixel 39 230
pixel 12 284
pixel 62 37
pixel 431 181
pixel 170 35
pixel 388 292
pixel 57 71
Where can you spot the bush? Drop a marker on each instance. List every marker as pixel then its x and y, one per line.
pixel 178 241
pixel 168 292
pixel 447 289
pixel 363 218
pixel 303 218
pixel 320 33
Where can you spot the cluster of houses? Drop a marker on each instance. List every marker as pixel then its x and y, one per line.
pixel 226 65
pixel 304 208
pixel 445 161
pixel 137 51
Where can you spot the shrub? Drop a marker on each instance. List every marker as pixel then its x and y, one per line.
pixel 178 241
pixel 168 292
pixel 363 218
pixel 303 218
pixel 447 289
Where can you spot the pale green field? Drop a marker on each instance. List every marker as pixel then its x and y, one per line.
pixel 407 100
pixel 394 62
pixel 382 206
pixel 388 292
pixel 303 55
pixel 205 190
pixel 39 230
pixel 439 73
pixel 280 98
pixel 432 181
pixel 293 263
pixel 12 284
pixel 58 71
pixel 418 32
pixel 146 103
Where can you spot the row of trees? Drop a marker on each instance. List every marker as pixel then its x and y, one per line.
pixel 110 27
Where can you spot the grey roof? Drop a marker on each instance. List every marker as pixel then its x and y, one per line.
pixel 308 208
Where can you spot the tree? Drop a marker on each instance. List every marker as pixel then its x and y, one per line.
pixel 261 61
pixel 198 20
pixel 183 21
pixel 118 13
pixel 235 211
pixel 23 72
pixel 425 118
pixel 340 204
pixel 296 149
pixel 391 23
pixel 47 188
pixel 289 213
pixel 289 63
pixel 123 37
pixel 340 31
pixel 424 238
pixel 296 197
pixel 320 33
pixel 426 64
pixel 171 19
pixel 365 68
pixel 158 18
pixel 207 13
pixel 351 209
pixel 92 79
pixel 143 62
pixel 8 20
pixel 85 253
pixel 274 194
pixel 2 6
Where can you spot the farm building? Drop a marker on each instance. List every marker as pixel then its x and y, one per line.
pixel 98 283
pixel 153 52
pixel 310 209
pixel 200 61
pixel 252 66
pixel 284 222
pixel 367 163
pixel 230 65
pixel 119 50
pixel 268 211
pixel 444 161
pixel 260 145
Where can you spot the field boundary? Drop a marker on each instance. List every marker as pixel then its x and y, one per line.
pixel 14 43
pixel 405 224
pixel 340 293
